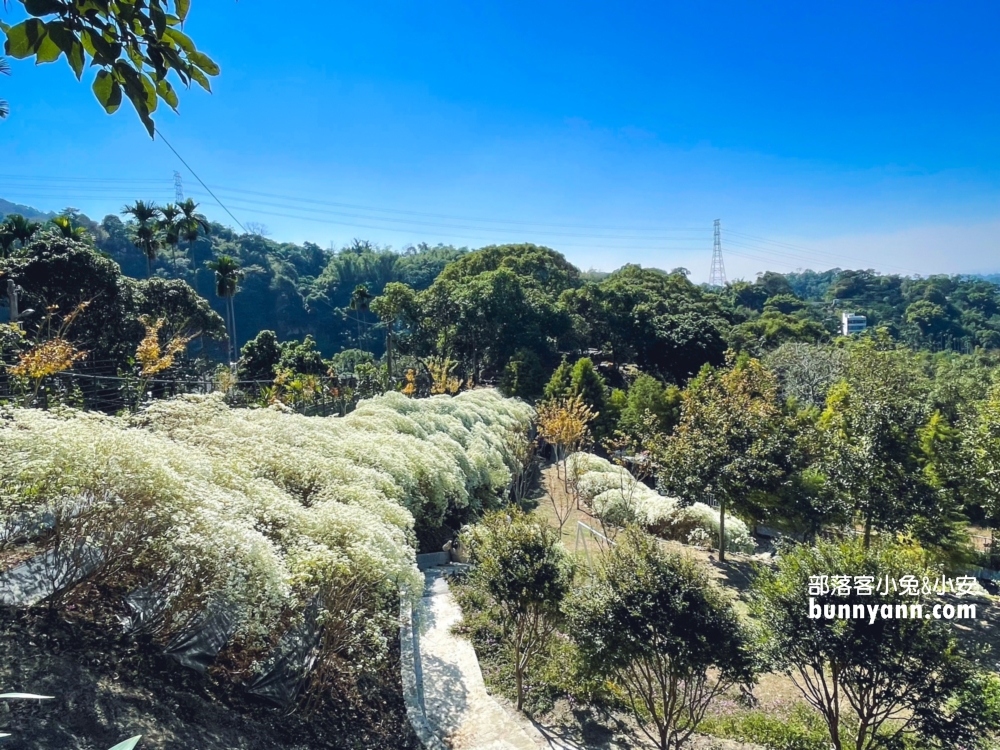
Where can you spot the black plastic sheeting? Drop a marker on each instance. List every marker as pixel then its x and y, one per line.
pixel 44 575
pixel 197 645
pixel 291 662
pixel 146 607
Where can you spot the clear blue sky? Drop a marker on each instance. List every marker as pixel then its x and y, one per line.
pixel 821 134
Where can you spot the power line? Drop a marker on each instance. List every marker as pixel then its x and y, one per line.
pixel 195 174
pixel 408 223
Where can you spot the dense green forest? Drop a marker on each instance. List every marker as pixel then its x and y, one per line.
pixel 485 310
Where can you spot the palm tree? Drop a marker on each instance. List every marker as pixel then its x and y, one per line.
pixel 171 228
pixel 228 276
pixel 193 223
pixel 360 299
pixel 19 229
pixel 4 108
pixel 145 232
pixel 66 228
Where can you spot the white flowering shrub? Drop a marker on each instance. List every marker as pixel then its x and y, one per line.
pixel 706 518
pixel 617 497
pixel 265 511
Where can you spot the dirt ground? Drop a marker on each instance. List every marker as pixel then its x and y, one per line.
pixel 108 687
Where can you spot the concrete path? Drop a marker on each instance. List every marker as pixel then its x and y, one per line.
pixel 458 709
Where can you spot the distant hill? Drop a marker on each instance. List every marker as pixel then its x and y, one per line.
pixel 7 208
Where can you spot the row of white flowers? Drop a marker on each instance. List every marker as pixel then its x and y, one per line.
pixel 617 497
pixel 262 509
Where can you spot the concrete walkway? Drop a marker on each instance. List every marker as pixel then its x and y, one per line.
pixel 457 707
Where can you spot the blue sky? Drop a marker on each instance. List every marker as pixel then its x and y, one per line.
pixel 821 135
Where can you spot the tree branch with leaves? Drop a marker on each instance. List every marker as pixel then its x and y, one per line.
pixel 135 45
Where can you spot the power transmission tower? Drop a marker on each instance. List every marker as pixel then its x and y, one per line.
pixel 718 276
pixel 178 188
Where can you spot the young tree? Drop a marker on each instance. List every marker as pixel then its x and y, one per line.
pixel 942 526
pixel 659 628
pixel 259 357
pixel 872 419
pixel 981 439
pixel 521 565
pixel 559 383
pixel 896 675
pixel 587 383
pixel 732 440
pixel 647 396
pixel 523 376
pixel 565 425
pixel 396 300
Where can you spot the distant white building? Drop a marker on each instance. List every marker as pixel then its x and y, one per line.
pixel 851 324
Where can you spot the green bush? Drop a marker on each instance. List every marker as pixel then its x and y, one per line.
pixel 801 730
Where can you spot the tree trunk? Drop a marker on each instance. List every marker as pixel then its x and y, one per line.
pixel 388 354
pixel 149 267
pixel 232 314
pixel 722 531
pixel 229 331
pixel 519 677
pixel 868 531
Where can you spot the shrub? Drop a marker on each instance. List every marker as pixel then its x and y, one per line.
pixel 259 510
pixel 654 624
pixel 520 564
pixel 618 498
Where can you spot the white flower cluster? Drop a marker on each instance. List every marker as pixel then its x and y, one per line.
pixel 617 497
pixel 263 510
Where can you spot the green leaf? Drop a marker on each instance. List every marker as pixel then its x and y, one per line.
pixel 150 88
pixel 68 44
pixel 25 697
pixel 108 92
pixel 76 59
pixel 201 78
pixel 135 56
pixel 48 51
pixel 99 47
pixel 23 39
pixel 159 20
pixel 204 62
pixel 166 93
pixel 42 7
pixel 146 119
pixel 183 6
pixel 181 39
pixel 128 744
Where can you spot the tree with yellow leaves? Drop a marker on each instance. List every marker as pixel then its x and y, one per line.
pixel 154 358
pixel 565 425
pixel 50 356
pixel 442 380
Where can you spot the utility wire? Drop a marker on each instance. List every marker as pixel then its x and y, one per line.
pixel 160 133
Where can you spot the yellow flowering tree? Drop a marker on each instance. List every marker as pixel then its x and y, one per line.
pixel 50 356
pixel 154 358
